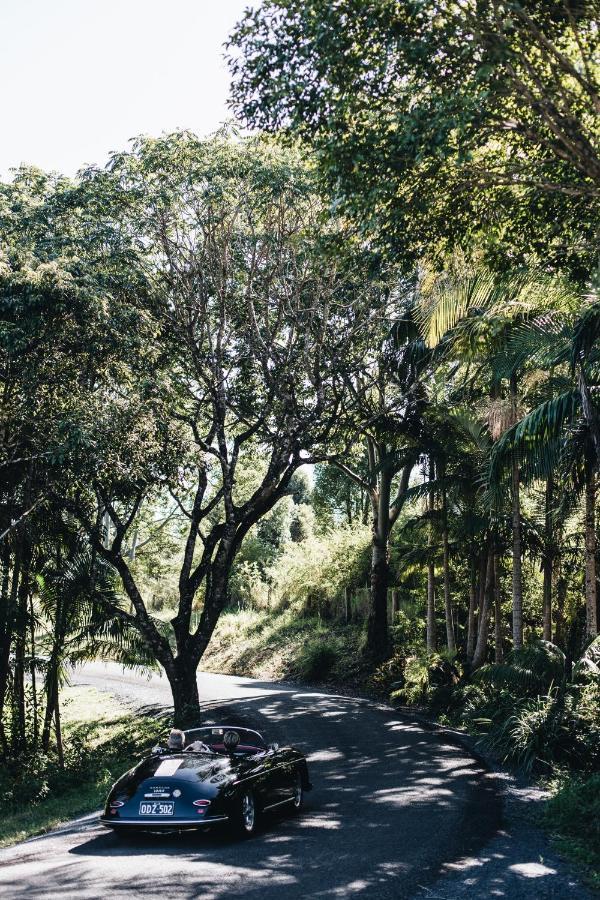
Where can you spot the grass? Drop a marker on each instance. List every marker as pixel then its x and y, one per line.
pixel 283 646
pixel 102 739
pixel 572 816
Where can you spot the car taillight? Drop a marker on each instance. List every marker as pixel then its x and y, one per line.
pixel 201 805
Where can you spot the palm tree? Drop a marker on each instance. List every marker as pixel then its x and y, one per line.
pixel 84 618
pixel 478 316
pixel 561 432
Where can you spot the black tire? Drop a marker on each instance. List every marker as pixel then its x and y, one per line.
pixel 246 814
pixel 298 801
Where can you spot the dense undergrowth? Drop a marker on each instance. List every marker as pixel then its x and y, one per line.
pixel 101 739
pixel 573 817
pixel 282 645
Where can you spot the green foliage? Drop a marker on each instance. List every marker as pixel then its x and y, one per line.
pixel 101 740
pixel 425 678
pixel 572 815
pixel 282 645
pixel 527 672
pixel 317 660
pixel 438 125
pixel 531 714
pixel 313 574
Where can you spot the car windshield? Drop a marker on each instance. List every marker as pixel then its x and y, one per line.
pixel 249 741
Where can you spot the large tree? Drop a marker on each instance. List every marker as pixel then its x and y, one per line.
pixel 257 307
pixel 58 336
pixel 386 400
pixel 435 120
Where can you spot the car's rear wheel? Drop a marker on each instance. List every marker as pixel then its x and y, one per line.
pixel 298 793
pixel 246 814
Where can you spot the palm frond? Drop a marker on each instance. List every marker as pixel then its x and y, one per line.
pixel 586 334
pixel 448 301
pixel 534 439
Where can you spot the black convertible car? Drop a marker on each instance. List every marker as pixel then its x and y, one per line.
pixel 225 774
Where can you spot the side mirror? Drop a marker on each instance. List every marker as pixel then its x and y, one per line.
pixel 273 747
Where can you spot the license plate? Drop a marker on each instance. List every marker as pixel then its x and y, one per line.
pixel 157 808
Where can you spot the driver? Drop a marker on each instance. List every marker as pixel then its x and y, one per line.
pixel 176 740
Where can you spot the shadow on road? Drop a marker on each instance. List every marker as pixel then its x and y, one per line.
pixel 393 807
pixel 391 802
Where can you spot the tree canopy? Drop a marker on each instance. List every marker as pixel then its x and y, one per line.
pixel 439 124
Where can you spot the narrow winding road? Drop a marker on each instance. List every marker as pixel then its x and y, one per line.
pixel 397 811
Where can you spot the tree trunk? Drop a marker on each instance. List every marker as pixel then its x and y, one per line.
pixel 184 687
pixel 53 667
pixel 376 647
pixel 431 636
pixel 347 605
pixel 33 673
pixel 498 636
pixel 472 606
pixel 591 606
pixel 4 636
pixel 59 741
pixel 547 563
pixel 51 703
pixel 395 604
pixel 450 638
pixel 517 576
pixel 561 597
pixel 377 642
pixel 19 736
pixel 8 620
pixel 482 635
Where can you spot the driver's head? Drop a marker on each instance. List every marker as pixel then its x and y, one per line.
pixel 231 739
pixel 176 740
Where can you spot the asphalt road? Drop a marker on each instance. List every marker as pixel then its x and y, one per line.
pixel 397 811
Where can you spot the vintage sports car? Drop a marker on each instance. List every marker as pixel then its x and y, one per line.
pixel 225 774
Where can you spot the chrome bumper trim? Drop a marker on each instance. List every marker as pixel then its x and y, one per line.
pixel 145 823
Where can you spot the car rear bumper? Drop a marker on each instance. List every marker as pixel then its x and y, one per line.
pixel 162 824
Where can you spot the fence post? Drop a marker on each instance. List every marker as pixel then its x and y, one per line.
pixel 395 604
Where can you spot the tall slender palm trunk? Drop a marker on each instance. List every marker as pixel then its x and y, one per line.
pixel 591 597
pixel 484 618
pixel 472 605
pixel 377 643
pixel 450 638
pixel 517 574
pixel 498 631
pixel 431 636
pixel 548 562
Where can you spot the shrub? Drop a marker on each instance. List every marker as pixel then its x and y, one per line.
pixel 319 568
pixel 391 675
pixel 317 660
pixel 532 715
pixel 573 815
pixel 427 678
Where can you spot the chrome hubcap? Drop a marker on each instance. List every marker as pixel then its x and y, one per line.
pixel 248 811
pixel 298 792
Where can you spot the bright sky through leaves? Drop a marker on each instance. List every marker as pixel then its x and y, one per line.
pixel 79 78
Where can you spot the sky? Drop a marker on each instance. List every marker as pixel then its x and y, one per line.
pixel 79 78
